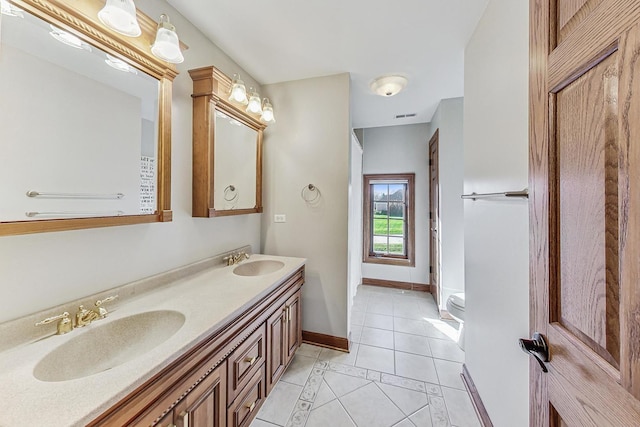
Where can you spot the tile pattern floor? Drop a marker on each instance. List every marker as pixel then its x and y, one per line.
pixel 403 370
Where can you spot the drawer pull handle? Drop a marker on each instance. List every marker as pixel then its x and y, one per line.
pixel 185 419
pixel 251 406
pixel 286 314
pixel 251 360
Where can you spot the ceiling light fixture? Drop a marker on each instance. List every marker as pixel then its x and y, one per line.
pixel 9 9
pixel 238 90
pixel 120 16
pixel 167 44
pixel 255 105
pixel 68 39
pixel 267 111
pixel 119 64
pixel 388 85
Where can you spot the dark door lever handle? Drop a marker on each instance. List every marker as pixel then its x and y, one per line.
pixel 536 347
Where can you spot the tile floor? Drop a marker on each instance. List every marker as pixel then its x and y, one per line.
pixel 403 370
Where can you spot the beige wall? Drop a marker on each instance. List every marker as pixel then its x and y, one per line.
pixel 496 231
pixel 309 144
pixel 42 270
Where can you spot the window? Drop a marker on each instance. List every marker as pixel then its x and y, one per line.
pixel 388 219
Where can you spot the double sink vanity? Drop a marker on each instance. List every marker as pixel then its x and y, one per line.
pixel 200 345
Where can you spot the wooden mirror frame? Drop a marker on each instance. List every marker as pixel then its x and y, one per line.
pixel 211 89
pixel 81 19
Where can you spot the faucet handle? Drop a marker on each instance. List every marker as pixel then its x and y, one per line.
pixel 64 325
pixel 102 312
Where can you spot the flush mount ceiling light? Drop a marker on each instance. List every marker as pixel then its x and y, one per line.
pixel 120 16
pixel 238 90
pixel 167 44
pixel 68 39
pixel 267 111
pixel 8 9
pixel 388 85
pixel 255 105
pixel 119 65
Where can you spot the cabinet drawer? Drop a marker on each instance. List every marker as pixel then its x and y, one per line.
pixel 243 409
pixel 245 361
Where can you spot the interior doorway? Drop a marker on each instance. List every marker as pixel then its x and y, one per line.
pixel 434 218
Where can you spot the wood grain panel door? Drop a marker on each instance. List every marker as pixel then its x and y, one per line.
pixel 276 346
pixel 585 211
pixel 434 216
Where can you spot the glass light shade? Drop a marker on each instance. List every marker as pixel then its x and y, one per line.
pixel 120 16
pixel 255 105
pixel 8 9
pixel 68 38
pixel 267 111
pixel 238 90
pixel 388 85
pixel 167 44
pixel 119 64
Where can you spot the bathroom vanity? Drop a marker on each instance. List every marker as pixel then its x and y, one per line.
pixel 209 342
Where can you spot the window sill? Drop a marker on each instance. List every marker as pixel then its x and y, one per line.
pixel 389 261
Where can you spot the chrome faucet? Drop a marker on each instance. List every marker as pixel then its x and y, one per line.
pixel 236 258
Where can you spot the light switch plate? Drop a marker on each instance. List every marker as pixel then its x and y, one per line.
pixel 279 218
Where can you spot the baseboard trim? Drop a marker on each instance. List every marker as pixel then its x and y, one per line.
pixel 323 340
pixel 483 415
pixel 397 285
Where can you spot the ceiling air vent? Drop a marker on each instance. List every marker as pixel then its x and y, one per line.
pixel 405 116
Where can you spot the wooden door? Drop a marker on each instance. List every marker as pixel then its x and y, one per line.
pixel 294 325
pixel 206 404
pixel 276 346
pixel 585 211
pixel 434 216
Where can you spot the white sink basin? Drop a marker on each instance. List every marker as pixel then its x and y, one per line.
pixel 103 347
pixel 258 268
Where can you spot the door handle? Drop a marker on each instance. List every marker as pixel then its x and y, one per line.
pixel 536 347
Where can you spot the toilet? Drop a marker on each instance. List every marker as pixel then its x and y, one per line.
pixel 455 307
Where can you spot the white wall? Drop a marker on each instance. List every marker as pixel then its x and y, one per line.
pixel 355 219
pixel 402 149
pixel 448 119
pixel 309 144
pixel 41 270
pixel 496 232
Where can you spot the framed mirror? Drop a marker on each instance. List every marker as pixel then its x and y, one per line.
pixel 227 150
pixel 86 125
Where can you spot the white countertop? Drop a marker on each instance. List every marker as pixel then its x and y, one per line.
pixel 207 299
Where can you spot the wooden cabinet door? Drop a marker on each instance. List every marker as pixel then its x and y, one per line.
pixel 206 404
pixel 276 346
pixel 585 211
pixel 294 325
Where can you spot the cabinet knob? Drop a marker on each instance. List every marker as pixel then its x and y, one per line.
pixel 251 360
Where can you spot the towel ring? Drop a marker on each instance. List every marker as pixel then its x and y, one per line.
pixel 228 190
pixel 306 190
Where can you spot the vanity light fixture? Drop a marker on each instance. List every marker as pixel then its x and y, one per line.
pixel 255 105
pixel 120 16
pixel 267 111
pixel 119 64
pixel 167 44
pixel 388 85
pixel 9 9
pixel 68 38
pixel 238 90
